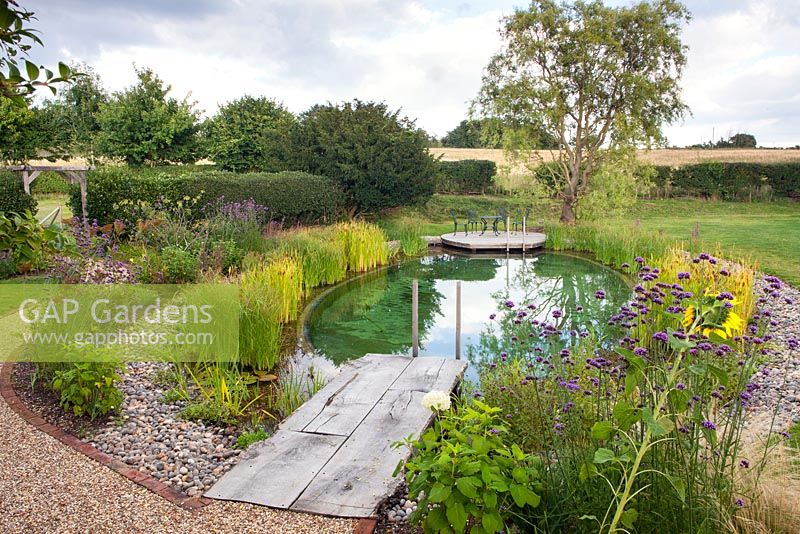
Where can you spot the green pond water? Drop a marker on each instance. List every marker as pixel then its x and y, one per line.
pixel 372 314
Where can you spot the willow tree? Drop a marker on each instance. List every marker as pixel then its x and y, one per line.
pixel 596 77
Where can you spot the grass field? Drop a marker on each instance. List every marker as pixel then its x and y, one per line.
pixel 768 233
pixel 510 176
pixel 664 156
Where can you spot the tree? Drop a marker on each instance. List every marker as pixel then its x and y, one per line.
pixel 466 135
pixel 380 158
pixel 18 142
pixel 16 40
pixel 594 76
pixel 141 125
pixel 739 140
pixel 250 134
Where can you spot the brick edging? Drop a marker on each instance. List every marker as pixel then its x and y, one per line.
pixel 143 479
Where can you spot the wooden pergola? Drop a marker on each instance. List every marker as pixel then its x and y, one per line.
pixel 73 174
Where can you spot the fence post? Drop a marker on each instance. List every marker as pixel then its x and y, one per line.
pixel 415 318
pixel 524 230
pixel 458 319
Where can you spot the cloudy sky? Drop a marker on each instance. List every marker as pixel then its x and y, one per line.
pixel 423 56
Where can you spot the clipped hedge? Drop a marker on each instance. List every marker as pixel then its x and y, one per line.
pixel 292 197
pixel 48 183
pixel 465 176
pixel 13 196
pixel 730 181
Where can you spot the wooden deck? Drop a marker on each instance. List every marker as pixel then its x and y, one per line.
pixel 333 456
pixel 514 241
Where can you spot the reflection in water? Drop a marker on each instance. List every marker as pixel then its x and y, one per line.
pixel 373 314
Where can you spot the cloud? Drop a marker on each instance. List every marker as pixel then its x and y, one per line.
pixel 425 57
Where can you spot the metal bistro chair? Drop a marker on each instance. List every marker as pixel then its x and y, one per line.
pixel 454 215
pixel 517 225
pixel 473 220
pixel 502 213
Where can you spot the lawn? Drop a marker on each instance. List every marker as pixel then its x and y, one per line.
pixel 768 233
pixel 47 203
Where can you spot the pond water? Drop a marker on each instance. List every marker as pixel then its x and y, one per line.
pixel 372 314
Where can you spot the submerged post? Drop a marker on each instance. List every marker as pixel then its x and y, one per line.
pixel 458 319
pixel 508 234
pixel 524 230
pixel 415 318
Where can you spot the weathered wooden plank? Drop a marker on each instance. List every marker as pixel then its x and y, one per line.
pixel 276 471
pixel 428 374
pixel 342 404
pixel 359 476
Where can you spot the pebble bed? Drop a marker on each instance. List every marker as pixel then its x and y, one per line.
pixel 150 436
pixel 778 382
pixel 400 508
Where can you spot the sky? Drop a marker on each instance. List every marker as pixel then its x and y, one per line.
pixel 425 57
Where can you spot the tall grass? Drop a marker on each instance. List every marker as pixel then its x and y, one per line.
pixel 323 262
pixel 270 293
pixel 611 244
pixel 365 245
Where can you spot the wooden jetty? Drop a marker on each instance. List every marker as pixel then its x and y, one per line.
pixel 334 455
pixel 505 241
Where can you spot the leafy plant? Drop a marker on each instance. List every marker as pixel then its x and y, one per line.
pixel 13 197
pixel 179 265
pixel 251 436
pixel 467 477
pixel 88 388
pixel 28 242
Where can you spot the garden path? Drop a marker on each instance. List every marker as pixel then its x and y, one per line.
pixel 334 455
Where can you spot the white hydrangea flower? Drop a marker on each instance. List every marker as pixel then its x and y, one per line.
pixel 436 400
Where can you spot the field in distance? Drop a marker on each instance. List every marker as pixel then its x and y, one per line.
pixel 664 156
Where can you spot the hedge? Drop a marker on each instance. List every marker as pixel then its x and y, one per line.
pixel 465 176
pixel 292 197
pixel 730 181
pixel 12 195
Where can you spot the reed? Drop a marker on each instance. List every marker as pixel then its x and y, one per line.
pixel 278 278
pixel 270 294
pixel 365 245
pixel 323 261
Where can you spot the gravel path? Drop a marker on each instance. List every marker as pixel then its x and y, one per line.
pixel 46 486
pixel 779 382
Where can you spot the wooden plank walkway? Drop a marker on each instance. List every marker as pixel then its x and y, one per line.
pixel 333 456
pixel 474 241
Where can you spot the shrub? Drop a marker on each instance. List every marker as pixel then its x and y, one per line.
pixel 48 183
pixel 291 197
pixel 380 158
pixel 179 265
pixel 465 176
pixel 13 196
pixel 88 388
pixel 466 476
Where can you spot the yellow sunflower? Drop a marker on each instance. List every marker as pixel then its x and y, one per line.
pixel 714 316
